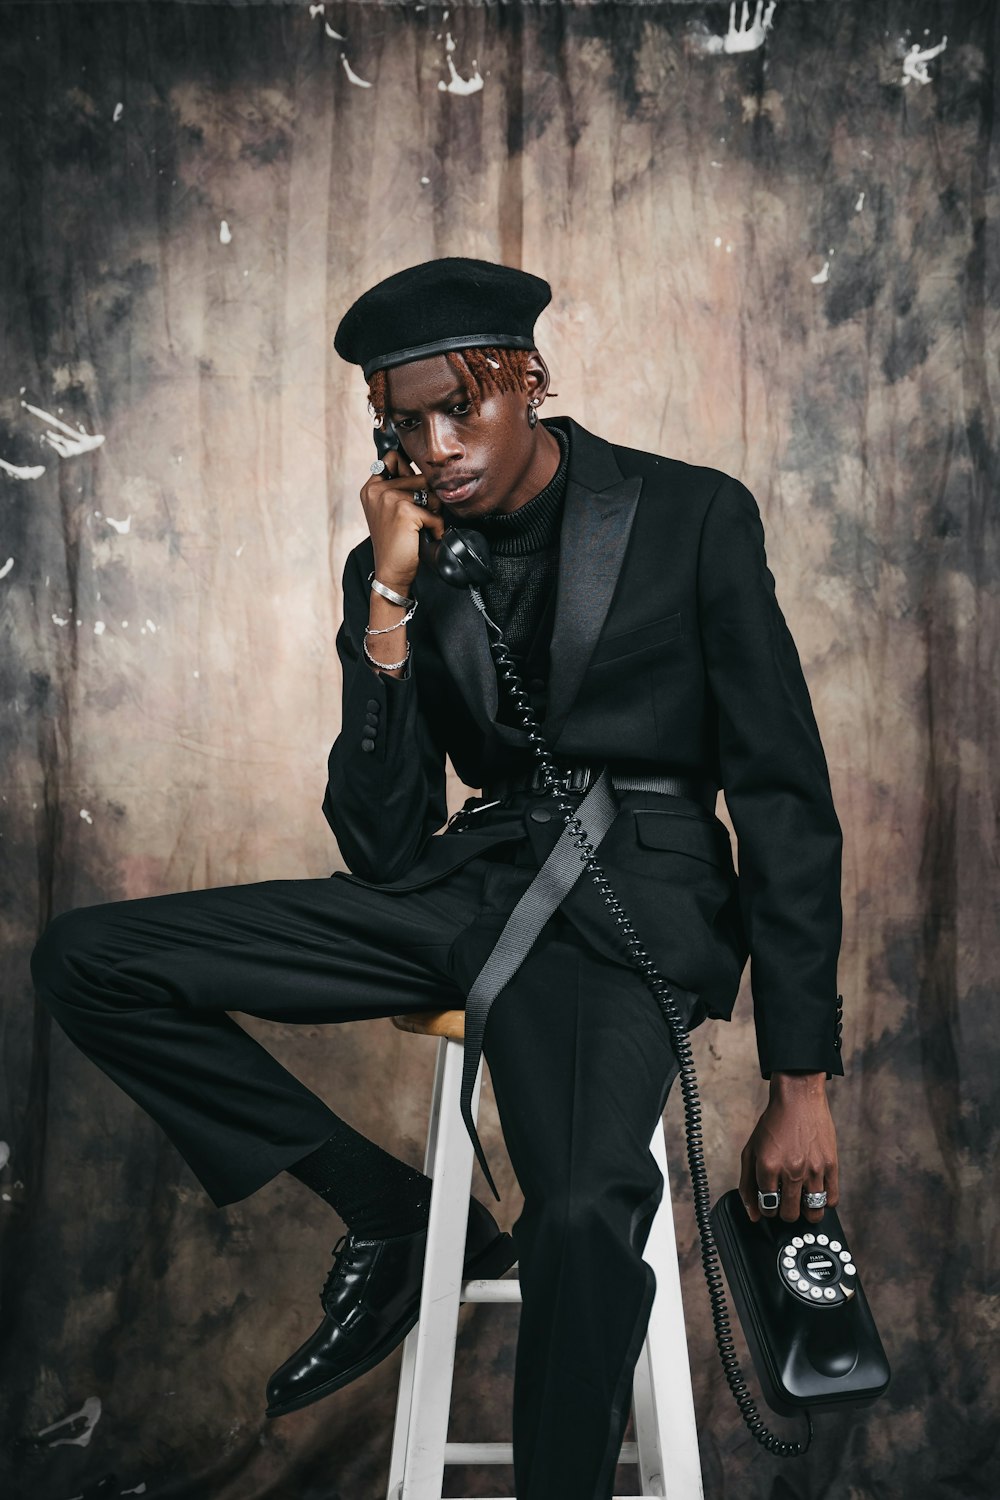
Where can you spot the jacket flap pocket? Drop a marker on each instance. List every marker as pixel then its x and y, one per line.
pixel 703 838
pixel 643 638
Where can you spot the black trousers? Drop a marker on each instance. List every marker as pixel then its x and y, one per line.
pixel 580 1059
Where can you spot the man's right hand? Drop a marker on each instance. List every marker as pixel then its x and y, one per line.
pixel 395 522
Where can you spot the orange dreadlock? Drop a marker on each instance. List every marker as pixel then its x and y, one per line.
pixel 474 370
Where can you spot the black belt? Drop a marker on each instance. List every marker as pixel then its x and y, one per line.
pixel 556 877
pixel 579 777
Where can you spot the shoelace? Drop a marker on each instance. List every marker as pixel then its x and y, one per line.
pixel 340 1251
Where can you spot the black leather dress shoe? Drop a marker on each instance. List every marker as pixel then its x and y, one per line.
pixel 370 1302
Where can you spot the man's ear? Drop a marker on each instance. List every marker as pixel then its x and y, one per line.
pixel 537 376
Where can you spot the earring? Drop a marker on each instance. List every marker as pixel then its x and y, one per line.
pixel 532 413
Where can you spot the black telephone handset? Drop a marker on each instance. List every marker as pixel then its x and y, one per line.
pixel 810 1332
pixel 461 556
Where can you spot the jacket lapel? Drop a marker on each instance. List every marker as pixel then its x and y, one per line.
pixel 598 511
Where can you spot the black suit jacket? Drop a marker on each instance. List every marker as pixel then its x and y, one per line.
pixel 668 650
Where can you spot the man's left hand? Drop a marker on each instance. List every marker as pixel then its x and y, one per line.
pixel 793 1146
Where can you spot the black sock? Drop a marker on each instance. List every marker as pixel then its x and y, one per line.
pixel 375 1194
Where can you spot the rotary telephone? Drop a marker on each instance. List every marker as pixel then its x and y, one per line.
pixel 808 1326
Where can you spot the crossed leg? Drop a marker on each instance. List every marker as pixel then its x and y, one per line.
pixel 144 988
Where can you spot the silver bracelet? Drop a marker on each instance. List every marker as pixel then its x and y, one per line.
pixel 384 629
pixel 388 593
pixel 384 666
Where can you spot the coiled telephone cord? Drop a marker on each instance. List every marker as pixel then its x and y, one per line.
pixel 640 960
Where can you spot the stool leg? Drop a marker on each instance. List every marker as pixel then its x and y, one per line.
pixel 665 1429
pixel 424 1402
pixel 404 1398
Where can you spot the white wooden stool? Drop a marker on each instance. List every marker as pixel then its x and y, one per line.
pixel 662 1404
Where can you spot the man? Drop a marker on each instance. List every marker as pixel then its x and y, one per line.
pixel 636 598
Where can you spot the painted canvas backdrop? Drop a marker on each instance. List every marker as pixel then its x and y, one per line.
pixel 773 244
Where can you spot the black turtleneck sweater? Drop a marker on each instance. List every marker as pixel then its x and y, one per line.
pixel 524 550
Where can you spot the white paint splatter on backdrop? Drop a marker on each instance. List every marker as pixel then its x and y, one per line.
pixel 459 85
pixel 315 10
pixel 58 620
pixel 89 1414
pixel 821 276
pixel 68 442
pixel 746 37
pixel 449 43
pixel 225 233
pixel 330 32
pixel 361 82
pixel 4 1154
pixel 119 108
pixel 860 203
pixel 120 526
pixel 3 574
pixel 22 471
pixel 85 815
pixel 915 62
pixel 99 627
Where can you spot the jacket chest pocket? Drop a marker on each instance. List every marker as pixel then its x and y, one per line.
pixel 644 638
pixel 701 838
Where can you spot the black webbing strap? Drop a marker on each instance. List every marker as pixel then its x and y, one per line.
pixel 556 877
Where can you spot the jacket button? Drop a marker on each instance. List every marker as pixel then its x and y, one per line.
pixel 372 705
pixel 367 744
pixel 540 814
pixel 371 722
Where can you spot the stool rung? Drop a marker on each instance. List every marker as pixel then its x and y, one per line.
pixel 503 1453
pixel 491 1291
pixel 479 1453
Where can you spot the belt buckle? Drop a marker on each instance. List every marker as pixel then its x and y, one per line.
pixel 573 779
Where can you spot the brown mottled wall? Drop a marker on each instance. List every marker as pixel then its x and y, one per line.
pixel 774 252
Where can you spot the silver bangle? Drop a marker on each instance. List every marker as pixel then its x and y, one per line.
pixel 386 666
pixel 387 593
pixel 384 629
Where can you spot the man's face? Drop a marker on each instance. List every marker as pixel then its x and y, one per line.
pixel 474 462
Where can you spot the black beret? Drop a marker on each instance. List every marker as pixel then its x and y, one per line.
pixel 451 303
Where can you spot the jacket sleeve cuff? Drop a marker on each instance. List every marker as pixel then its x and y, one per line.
pixel 809 1051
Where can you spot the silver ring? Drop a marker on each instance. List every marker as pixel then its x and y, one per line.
pixel 378 467
pixel 420 497
pixel 769 1200
pixel 815 1200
